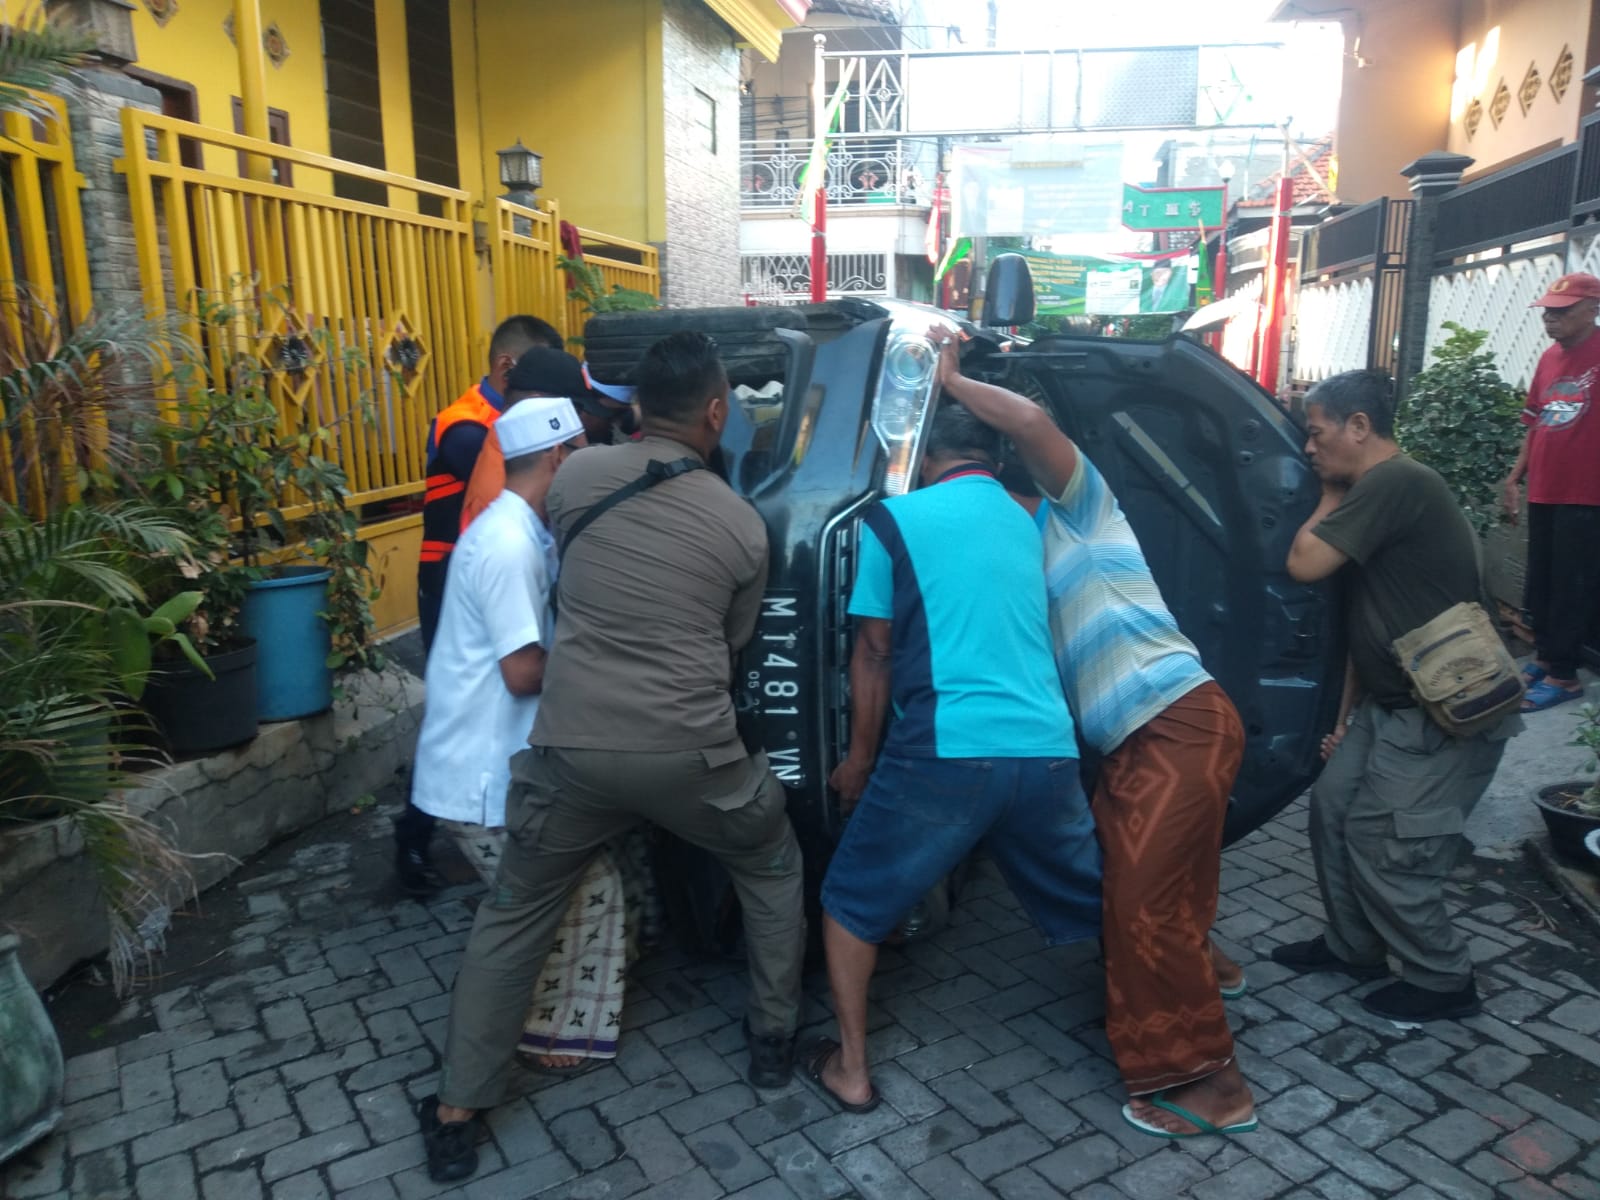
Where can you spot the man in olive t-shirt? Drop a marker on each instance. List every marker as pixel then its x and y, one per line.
pixel 1388 810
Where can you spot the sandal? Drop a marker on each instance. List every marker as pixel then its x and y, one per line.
pixel 1532 673
pixel 530 1060
pixel 1203 1127
pixel 1544 695
pixel 815 1057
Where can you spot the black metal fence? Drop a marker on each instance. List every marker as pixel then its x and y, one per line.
pixel 1530 200
pixel 1368 241
pixel 1351 239
pixel 1586 200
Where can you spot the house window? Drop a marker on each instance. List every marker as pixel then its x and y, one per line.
pixel 433 99
pixel 178 99
pixel 705 120
pixel 355 108
pixel 277 132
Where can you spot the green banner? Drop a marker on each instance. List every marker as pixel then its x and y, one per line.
pixel 1171 208
pixel 1082 285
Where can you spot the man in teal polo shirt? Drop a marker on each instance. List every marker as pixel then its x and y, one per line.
pixel 952 626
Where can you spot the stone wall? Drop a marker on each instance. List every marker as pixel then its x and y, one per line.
pixel 95 110
pixel 221 809
pixel 700 261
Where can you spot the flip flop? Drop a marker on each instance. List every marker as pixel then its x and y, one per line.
pixel 1532 673
pixel 1204 1127
pixel 1237 990
pixel 1544 695
pixel 815 1057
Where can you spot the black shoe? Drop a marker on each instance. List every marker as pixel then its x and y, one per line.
pixel 415 873
pixel 451 1155
pixel 771 1057
pixel 1407 1003
pixel 1316 956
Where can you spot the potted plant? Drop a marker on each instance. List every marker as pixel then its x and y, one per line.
pixel 1571 810
pixel 66 672
pixel 281 559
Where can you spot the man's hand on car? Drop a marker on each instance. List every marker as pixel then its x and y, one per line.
pixel 849 779
pixel 948 341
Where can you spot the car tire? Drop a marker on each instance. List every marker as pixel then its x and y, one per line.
pixel 614 343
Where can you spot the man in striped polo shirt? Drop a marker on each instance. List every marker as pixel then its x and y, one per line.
pixel 1171 743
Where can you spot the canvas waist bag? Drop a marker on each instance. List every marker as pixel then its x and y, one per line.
pixel 1460 670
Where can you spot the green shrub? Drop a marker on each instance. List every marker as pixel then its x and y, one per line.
pixel 1460 418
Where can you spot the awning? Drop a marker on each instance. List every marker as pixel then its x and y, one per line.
pixel 761 22
pixel 1215 314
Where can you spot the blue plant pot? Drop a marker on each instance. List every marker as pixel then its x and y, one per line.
pixel 292 641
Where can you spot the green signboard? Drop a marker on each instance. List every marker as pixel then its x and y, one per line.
pixel 1081 285
pixel 1171 208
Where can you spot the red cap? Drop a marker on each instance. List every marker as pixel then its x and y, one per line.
pixel 1568 290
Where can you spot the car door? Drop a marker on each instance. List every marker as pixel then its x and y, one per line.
pixel 1213 478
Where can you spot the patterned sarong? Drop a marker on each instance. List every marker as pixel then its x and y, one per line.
pixel 1159 808
pixel 576 1007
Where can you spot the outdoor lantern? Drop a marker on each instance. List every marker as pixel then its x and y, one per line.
pixel 521 170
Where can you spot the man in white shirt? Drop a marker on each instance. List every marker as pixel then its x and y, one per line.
pixel 486 669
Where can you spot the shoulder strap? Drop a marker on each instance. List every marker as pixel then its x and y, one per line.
pixel 656 472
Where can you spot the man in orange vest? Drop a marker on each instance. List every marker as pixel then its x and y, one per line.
pixel 605 410
pixel 454 439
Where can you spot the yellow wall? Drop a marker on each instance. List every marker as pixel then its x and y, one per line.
pixel 192 47
pixel 581 84
pixel 1500 39
pixel 592 106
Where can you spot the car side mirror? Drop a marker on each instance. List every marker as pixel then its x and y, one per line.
pixel 1008 293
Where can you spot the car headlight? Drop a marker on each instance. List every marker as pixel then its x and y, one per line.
pixel 903 401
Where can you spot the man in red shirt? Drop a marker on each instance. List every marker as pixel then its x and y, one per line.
pixel 1561 459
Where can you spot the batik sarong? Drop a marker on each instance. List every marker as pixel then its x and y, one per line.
pixel 1159 807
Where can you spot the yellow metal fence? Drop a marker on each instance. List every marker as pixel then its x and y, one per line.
pixel 373 305
pixel 527 279
pixel 379 298
pixel 44 292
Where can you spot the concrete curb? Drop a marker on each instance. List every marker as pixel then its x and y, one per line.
pixel 1580 888
pixel 222 809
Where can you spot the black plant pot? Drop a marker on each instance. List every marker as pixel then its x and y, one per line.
pixel 195 715
pixel 1567 828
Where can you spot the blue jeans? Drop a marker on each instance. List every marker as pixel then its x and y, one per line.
pixel 919 817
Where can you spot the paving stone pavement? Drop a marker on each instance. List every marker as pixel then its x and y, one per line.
pixel 299 1012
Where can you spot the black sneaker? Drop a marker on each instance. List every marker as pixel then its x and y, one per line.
pixel 1316 956
pixel 1408 1004
pixel 451 1155
pixel 414 872
pixel 771 1057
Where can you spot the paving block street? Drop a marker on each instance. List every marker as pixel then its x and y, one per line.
pixel 298 1016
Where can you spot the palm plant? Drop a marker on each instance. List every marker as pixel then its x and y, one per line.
pixel 38 54
pixel 73 648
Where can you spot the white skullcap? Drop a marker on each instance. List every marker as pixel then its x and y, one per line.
pixel 537 423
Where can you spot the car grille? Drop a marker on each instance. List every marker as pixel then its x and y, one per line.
pixel 837 571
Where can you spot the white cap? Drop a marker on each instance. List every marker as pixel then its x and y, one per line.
pixel 535 424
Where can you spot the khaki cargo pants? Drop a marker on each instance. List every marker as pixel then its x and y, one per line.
pixel 561 806
pixel 1386 821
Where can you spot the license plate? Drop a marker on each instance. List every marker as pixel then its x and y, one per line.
pixel 772 683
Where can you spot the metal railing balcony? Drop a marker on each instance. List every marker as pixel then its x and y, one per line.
pixel 861 171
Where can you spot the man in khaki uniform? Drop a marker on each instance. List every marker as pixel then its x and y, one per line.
pixel 1388 810
pixel 637 724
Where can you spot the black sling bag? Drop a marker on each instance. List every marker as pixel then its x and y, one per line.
pixel 656 472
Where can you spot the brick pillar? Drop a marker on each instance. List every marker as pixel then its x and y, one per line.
pixel 1432 177
pixel 95 110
